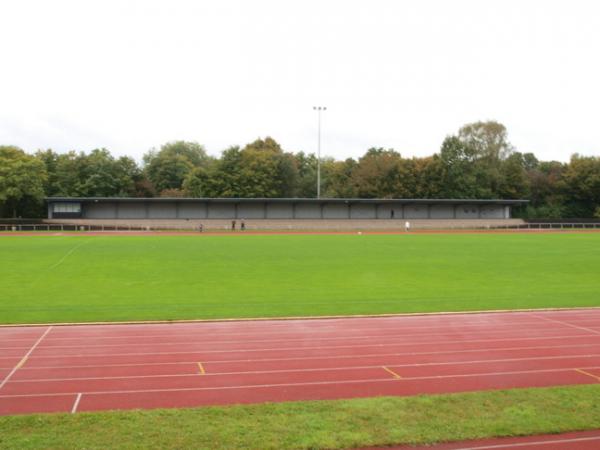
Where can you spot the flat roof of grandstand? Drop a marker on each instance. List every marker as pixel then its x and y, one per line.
pixel 420 201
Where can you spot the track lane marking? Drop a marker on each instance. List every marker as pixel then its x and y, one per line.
pixel 528 443
pixel 310 383
pixel 326 328
pixel 316 339
pixel 464 316
pixel 313 369
pixel 328 357
pixel 24 359
pixel 319 347
pixel 21 363
pixel 589 330
pixel 390 371
pixel 76 404
pixel 201 334
pixel 597 378
pixel 201 368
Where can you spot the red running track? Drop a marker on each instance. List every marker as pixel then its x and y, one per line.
pixel 103 367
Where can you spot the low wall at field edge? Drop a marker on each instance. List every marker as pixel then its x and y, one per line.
pixel 298 224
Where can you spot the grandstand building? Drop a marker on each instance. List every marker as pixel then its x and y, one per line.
pixel 139 209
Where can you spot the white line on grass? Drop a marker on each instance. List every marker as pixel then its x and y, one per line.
pixel 66 255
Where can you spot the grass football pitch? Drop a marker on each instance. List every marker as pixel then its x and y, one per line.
pixel 79 278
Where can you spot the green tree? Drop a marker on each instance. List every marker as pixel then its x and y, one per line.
pixel 306 183
pixel 580 184
pixel 429 177
pixel 97 174
pixel 168 168
pixel 488 140
pixel 458 169
pixel 336 179
pixel 514 182
pixel 267 171
pixel 225 179
pixel 547 200
pixel 260 169
pixel 202 182
pixel 378 174
pixel 22 179
pixel 103 176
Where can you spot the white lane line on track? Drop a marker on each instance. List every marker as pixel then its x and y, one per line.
pixel 529 443
pixel 288 331
pixel 22 361
pixel 580 370
pixel 483 318
pixel 76 404
pixel 314 369
pixel 318 347
pixel 328 357
pixel 203 328
pixel 589 330
pixel 310 383
pixel 2 349
pixel 312 338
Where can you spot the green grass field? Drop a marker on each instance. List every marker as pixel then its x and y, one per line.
pixel 78 278
pixel 96 278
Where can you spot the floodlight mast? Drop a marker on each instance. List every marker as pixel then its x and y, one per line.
pixel 319 109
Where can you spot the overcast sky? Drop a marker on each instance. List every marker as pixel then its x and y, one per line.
pixel 130 75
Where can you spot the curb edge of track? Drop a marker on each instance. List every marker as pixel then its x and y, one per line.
pixel 290 318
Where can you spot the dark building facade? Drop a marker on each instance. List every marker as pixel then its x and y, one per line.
pixel 276 208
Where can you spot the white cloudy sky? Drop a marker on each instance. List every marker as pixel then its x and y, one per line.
pixel 130 75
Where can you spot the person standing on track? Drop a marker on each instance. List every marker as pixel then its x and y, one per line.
pixel 233 225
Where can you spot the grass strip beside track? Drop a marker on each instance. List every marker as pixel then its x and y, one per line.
pixel 323 424
pixel 50 279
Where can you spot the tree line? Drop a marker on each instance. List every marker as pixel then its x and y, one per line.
pixel 476 162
